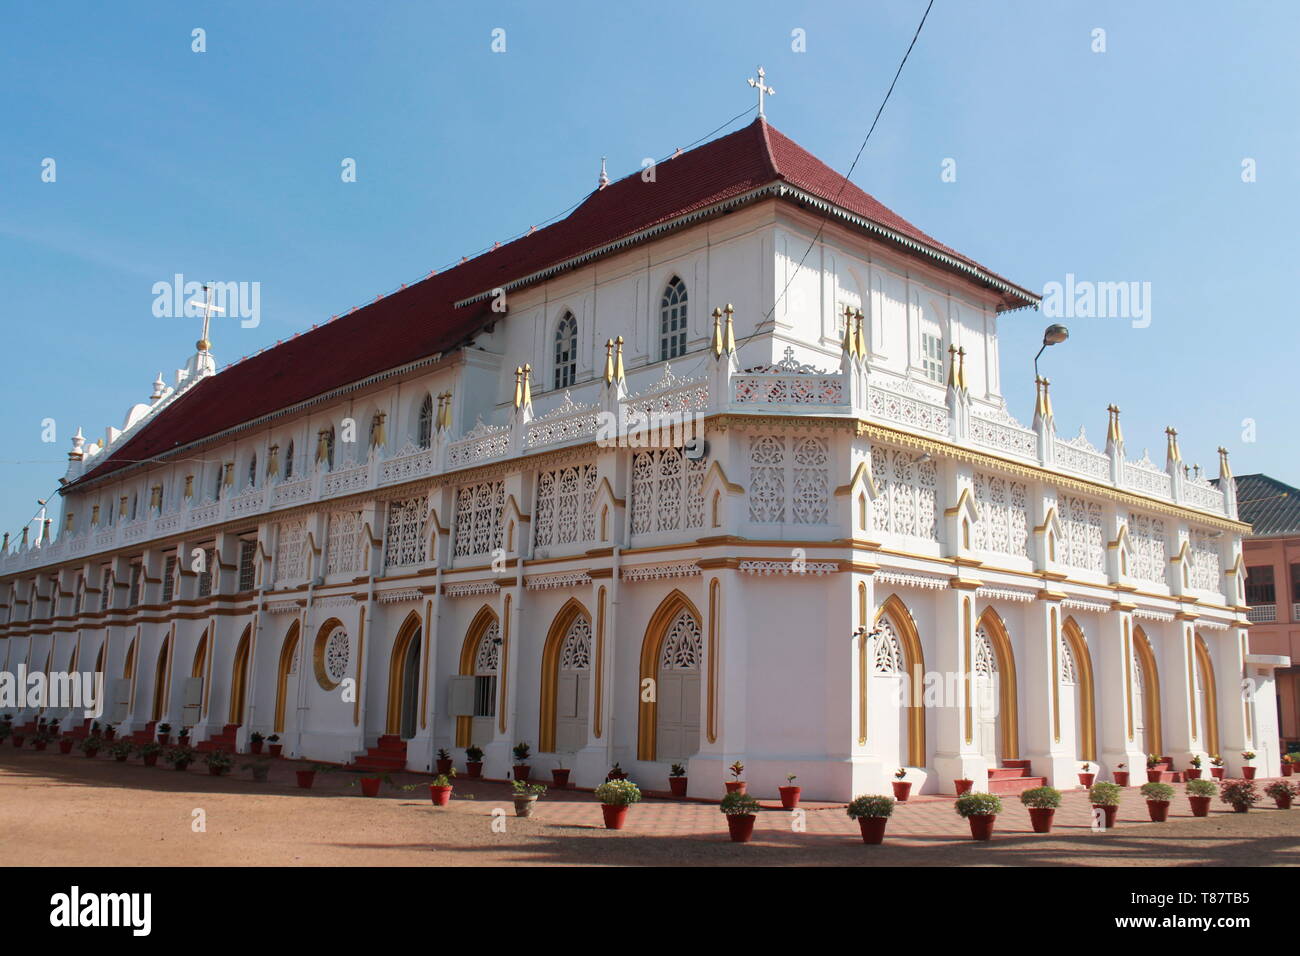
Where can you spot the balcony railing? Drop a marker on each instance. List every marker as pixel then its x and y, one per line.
pixel 1262 614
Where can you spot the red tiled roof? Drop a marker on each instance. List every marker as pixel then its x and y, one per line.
pixel 423 319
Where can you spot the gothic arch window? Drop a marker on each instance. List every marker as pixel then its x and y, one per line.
pixel 986 662
pixel 566 681
pixel 424 422
pixel 487 664
pixel 672 660
pixel 1069 670
pixel 566 351
pixel 672 320
pixel 888 657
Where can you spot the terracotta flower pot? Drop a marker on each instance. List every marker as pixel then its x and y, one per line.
pixel 440 796
pixel 560 777
pixel 1159 810
pixel 741 826
pixel 216 771
pixel 1192 773
pixel 181 765
pixel 1121 778
pixel 1240 807
pixel 92 752
pixel 1288 769
pixel 1108 815
pixel 1248 773
pixel 735 786
pixel 1153 776
pixel 1283 803
pixel 277 749
pixel 1041 817
pixel 164 739
pixel 18 740
pixel 616 775
pixel 1200 806
pixel 151 760
pixel 183 740
pixel 65 745
pixel 677 785
pixel 370 786
pixel 306 778
pixel 521 771
pixel 525 804
pixel 110 735
pixel 902 788
pixel 442 766
pixel 789 797
pixel 40 744
pixel 255 746
pixel 1216 773
pixel 615 816
pixel 981 825
pixel 873 828
pixel 1086 779
pixel 963 786
pixel 474 769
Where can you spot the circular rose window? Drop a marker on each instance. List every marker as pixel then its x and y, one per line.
pixel 333 652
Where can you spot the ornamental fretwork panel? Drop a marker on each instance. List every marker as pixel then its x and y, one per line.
pixel 908 487
pixel 1206 564
pixel 1146 538
pixel 291 551
pixel 566 500
pixel 1081 529
pixel 478 517
pixel 405 543
pixel 1003 525
pixel 789 480
pixel 344 545
pixel 575 653
pixel 667 491
pixel 683 648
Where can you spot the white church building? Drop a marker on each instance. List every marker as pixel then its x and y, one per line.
pixel 413 528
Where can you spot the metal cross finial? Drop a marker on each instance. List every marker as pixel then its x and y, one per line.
pixel 204 343
pixel 762 88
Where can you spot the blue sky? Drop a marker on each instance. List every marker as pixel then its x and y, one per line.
pixel 1116 166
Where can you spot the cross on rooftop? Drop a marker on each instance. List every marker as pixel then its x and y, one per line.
pixel 762 88
pixel 204 344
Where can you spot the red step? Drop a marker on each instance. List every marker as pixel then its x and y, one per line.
pixel 1015 785
pixel 388 755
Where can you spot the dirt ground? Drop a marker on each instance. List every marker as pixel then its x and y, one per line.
pixel 71 811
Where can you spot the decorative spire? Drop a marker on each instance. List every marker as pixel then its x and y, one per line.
pixel 1043 408
pixel 519 385
pixel 859 335
pixel 763 89
pixel 717 332
pixel 159 387
pixel 730 338
pixel 78 445
pixel 609 361
pixel 961 368
pixel 1225 470
pixel 618 359
pixel 1114 433
pixel 952 367
pixel 528 386
pixel 604 176
pixel 1171 445
pixel 850 343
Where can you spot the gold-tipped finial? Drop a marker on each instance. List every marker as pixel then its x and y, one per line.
pixel 1171 444
pixel 1114 433
pixel 961 367
pixel 618 359
pixel 730 344
pixel 717 332
pixel 1225 470
pixel 859 335
pixel 850 332
pixel 528 386
pixel 952 366
pixel 1044 405
pixel 519 386
pixel 609 361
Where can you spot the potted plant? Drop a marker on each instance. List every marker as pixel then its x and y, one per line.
pixel 1086 776
pixel 1153 767
pixel 1288 765
pixel 902 786
pixel 1121 775
pixel 473 761
pixel 164 734
pixel 522 752
pixel 65 744
pixel 91 746
pixel 255 742
pixel 273 742
pixel 1216 767
pixel 1282 793
pixel 741 810
pixel 962 786
pixel 218 761
pixel 1193 772
pixel 260 769
pixel 43 739
pixel 110 733
pixel 120 750
pixel 1042 803
pixel 1158 796
pixel 1199 793
pixel 443 763
pixel 677 780
pixel 616 773
pixel 559 775
pixel 184 738
pixel 1105 797
pixel 789 793
pixel 440 789
pixel 872 813
pixel 149 752
pixel 1241 795
pixel 735 784
pixel 370 781
pixel 980 811
pixel 1247 771
pixel 526 795
pixel 615 797
pixel 179 757
pixel 308 777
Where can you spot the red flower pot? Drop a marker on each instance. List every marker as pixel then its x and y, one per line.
pixel 18 740
pixel 442 766
pixel 873 828
pixel 40 744
pixel 522 770
pixel 1153 776
pixel 110 735
pixel 560 777
pixel 1248 773
pixel 1086 779
pixel 91 752
pixel 439 795
pixel 901 790
pixel 1200 806
pixel 65 745
pixel 151 760
pixel 981 826
pixel 164 739
pixel 277 749
pixel 306 778
pixel 1107 814
pixel 183 740
pixel 1283 803
pixel 615 816
pixel 741 826
pixel 677 785
pixel 370 786
pixel 963 786
pixel 474 769
pixel 1192 773
pixel 255 746
pixel 1243 808
pixel 1121 778
pixel 789 797
pixel 1216 773
pixel 181 765
pixel 1041 817
pixel 1288 769
pixel 1159 810
pixel 216 771
pixel 735 786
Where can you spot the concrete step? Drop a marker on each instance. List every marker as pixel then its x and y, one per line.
pixel 1014 785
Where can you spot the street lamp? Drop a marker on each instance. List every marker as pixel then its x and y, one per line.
pixel 1052 335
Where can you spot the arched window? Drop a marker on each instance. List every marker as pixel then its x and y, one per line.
pixel 288 461
pixel 566 351
pixel 424 424
pixel 672 320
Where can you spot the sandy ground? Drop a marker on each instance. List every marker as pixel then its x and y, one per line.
pixel 67 810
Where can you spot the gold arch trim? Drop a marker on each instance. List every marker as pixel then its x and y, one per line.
pixel 711 725
pixel 967 664
pixel 1008 684
pixel 287 650
pixel 1128 676
pixel 410 630
pixel 200 656
pixel 600 662
pixel 572 610
pixel 1056 676
pixel 239 677
pixel 1211 694
pixel 864 677
pixel 427 652
pixel 651 645
pixel 1155 743
pixel 503 675
pixel 160 678
pixel 1078 643
pixel 905 627
pixel 468 648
